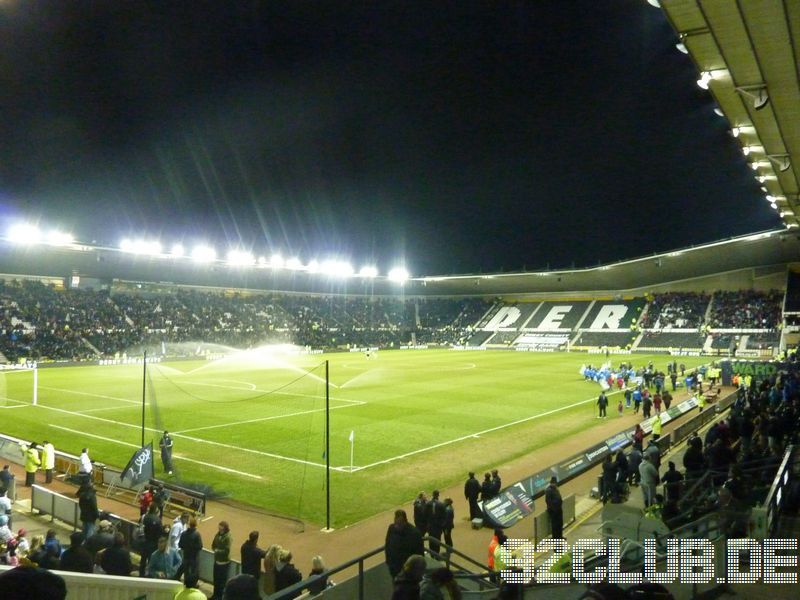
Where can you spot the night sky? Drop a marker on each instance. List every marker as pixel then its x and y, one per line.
pixel 456 136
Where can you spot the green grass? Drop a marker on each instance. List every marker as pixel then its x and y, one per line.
pixel 253 426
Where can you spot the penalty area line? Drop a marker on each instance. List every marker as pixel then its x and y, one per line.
pixel 192 460
pixel 194 439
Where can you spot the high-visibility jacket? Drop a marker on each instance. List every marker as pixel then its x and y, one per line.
pixel 32 461
pixel 492 546
pixel 657 427
pixel 48 456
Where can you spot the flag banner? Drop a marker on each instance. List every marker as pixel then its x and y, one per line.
pixel 140 467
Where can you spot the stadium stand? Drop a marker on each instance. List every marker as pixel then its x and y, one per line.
pixel 658 340
pixel 746 309
pixel 679 310
pixel 39 321
pixel 612 339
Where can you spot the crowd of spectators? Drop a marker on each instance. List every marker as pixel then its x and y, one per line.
pixel 676 310
pixel 41 321
pixel 746 309
pixel 731 468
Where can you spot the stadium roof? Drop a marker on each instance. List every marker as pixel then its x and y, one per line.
pixel 747 53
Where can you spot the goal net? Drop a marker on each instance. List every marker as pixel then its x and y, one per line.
pixel 18 386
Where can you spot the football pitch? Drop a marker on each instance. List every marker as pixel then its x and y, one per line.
pixel 252 425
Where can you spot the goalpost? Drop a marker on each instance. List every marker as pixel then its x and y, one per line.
pixel 19 384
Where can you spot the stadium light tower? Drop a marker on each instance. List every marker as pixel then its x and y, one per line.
pixel 337 268
pixel 294 263
pixel 59 238
pixel 177 250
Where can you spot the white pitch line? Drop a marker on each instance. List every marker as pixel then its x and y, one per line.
pixel 259 419
pixel 44 387
pixel 252 387
pixel 194 439
pixel 478 433
pixel 199 462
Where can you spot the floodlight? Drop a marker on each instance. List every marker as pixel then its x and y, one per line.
pixel 655 3
pixel 781 161
pixel 398 274
pixel 240 258
pixel 718 112
pixel 204 254
pixel 294 263
pixel 59 238
pixel 262 261
pixel 705 79
pixel 775 206
pixel 756 93
pixel 337 268
pixel 682 48
pixel 276 261
pixel 140 247
pixel 368 272
pixel 764 188
pixel 312 266
pixel 746 150
pixel 24 233
pixel 176 250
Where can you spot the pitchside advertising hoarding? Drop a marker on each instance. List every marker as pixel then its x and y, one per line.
pixel 757 369
pixel 509 507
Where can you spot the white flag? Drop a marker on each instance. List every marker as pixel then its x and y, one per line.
pixel 352 436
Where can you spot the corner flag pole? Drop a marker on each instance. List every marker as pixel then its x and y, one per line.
pixel 352 445
pixel 327 450
pixel 144 390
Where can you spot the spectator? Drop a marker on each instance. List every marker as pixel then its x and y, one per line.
pixel 554 509
pixel 242 587
pixel 648 481
pixel 76 558
pixel 318 585
pixel 5 505
pixel 672 480
pixel 402 540
pixel 421 513
pixel 472 491
pixel 406 583
pixel 449 522
pixel 190 589
pixel 440 586
pixel 103 538
pixel 116 560
pixel 286 574
pixel 153 530
pixel 27 583
pixel 164 562
pixel 6 477
pixel 221 545
pixel 145 500
pixel 436 521
pixel 190 544
pixel 252 556
pixel 87 502
pixel 86 465
pixel 270 568
pixel 176 530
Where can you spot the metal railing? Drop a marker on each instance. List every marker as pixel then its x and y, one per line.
pixel 445 555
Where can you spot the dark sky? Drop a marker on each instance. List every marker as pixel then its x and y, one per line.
pixel 462 136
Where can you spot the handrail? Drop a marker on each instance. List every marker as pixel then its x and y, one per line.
pixel 359 560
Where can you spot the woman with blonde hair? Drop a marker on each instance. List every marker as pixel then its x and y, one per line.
pixel 270 564
pixel 317 586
